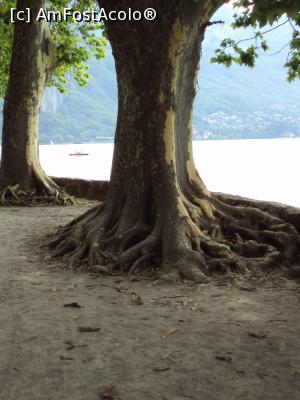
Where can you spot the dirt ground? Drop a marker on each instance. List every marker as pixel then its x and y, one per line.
pixel 136 340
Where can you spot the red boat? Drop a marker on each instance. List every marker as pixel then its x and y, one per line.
pixel 78 153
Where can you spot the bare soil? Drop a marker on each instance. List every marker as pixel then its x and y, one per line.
pixel 67 335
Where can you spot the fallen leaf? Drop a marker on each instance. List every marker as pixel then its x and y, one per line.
pixel 63 358
pixel 240 371
pixel 109 393
pixel 72 305
pixel 69 345
pixel 170 330
pixel 135 299
pixel 161 369
pixel 224 358
pixel 88 329
pixel 257 335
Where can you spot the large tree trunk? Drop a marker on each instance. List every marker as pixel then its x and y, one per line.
pixel 157 210
pixel 33 56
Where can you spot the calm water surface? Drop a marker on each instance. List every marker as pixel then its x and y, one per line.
pixel 261 169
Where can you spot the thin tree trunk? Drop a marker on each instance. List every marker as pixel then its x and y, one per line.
pixel 33 55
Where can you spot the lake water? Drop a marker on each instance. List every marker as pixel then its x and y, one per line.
pixel 262 169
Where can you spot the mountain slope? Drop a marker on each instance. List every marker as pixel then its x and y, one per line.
pixel 230 103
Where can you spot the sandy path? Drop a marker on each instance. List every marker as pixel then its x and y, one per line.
pixel 209 343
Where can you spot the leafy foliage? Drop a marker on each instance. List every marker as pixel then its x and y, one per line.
pixel 6 35
pixel 257 15
pixel 77 43
pixel 232 103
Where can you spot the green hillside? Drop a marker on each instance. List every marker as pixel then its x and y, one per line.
pixel 231 103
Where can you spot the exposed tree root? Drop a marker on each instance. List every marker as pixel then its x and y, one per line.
pixel 239 239
pixel 14 196
pixel 158 217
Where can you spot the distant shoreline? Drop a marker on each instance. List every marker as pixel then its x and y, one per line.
pixel 111 141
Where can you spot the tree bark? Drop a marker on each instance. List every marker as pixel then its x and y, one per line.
pixel 33 55
pixel 158 211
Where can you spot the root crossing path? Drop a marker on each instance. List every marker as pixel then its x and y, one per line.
pixel 80 336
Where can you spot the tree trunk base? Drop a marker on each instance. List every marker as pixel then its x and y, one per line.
pixel 245 236
pixel 34 188
pixel 14 196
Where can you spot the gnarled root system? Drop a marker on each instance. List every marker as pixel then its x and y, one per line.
pixel 14 196
pixel 185 241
